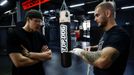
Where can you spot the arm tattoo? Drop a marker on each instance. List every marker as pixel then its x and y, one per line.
pixel 92 56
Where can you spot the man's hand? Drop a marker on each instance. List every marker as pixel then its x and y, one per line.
pixel 25 52
pixel 45 48
pixel 77 51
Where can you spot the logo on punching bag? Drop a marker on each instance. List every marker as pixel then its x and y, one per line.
pixel 63 38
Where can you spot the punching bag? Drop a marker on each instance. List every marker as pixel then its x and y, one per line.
pixel 65 38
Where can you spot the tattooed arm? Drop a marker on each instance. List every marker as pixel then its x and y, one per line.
pixel 101 59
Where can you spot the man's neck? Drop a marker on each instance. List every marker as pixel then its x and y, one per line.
pixel 110 24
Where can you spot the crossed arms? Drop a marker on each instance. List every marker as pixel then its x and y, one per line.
pixel 27 58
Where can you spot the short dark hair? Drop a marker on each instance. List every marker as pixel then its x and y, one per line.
pixel 108 5
pixel 33 14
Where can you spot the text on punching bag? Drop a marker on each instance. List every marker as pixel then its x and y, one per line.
pixel 63 38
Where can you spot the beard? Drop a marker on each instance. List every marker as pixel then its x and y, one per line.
pixel 103 24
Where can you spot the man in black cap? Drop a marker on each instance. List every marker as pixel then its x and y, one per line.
pixel 27 47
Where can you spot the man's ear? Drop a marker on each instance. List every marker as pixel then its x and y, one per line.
pixel 108 13
pixel 27 18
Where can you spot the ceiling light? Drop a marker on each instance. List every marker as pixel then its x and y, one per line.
pixel 51 18
pixel 75 20
pixel 127 7
pixel 77 5
pixel 3 2
pixel 46 12
pixel 90 12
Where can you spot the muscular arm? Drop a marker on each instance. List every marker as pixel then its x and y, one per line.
pixel 90 57
pixel 101 59
pixel 21 61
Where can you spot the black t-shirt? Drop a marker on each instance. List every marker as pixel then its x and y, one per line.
pixel 117 38
pixel 33 41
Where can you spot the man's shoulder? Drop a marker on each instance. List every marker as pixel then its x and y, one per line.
pixel 118 30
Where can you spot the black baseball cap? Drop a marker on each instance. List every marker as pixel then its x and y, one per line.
pixel 33 14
